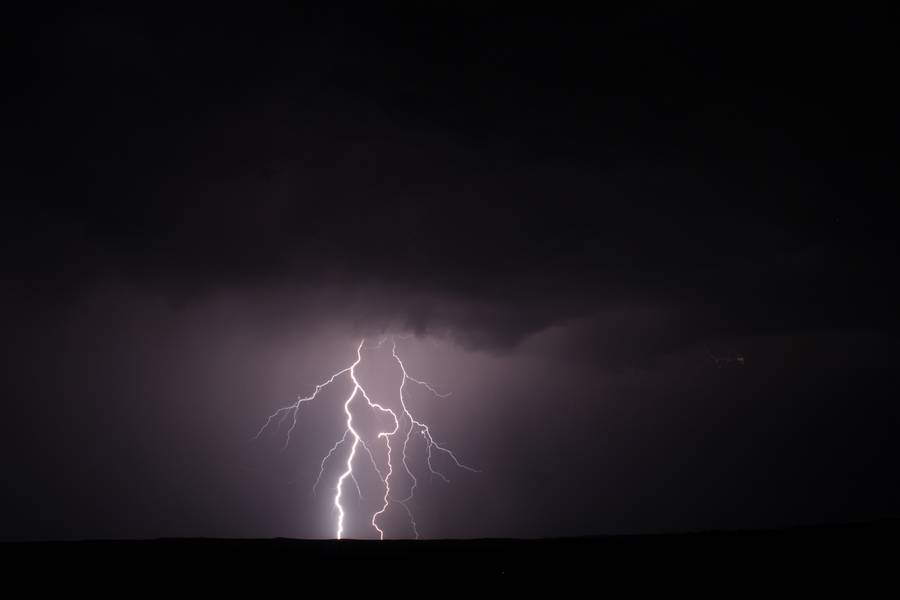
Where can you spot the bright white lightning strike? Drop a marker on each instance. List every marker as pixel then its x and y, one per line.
pixel 404 416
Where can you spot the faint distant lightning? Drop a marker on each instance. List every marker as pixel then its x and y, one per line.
pixel 726 361
pixel 351 434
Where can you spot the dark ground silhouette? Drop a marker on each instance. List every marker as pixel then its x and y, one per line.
pixel 837 558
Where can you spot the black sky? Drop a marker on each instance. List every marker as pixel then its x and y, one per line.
pixel 203 210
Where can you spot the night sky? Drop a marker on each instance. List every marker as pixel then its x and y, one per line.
pixel 559 216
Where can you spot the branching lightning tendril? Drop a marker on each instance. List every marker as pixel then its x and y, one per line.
pixel 352 435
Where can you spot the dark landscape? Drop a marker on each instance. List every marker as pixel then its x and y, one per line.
pixel 850 556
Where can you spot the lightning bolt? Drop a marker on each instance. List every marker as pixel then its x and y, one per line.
pixel 352 436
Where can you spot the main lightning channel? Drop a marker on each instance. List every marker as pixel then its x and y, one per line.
pixel 351 433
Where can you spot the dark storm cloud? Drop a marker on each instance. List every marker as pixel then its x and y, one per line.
pixel 482 183
pixel 224 153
